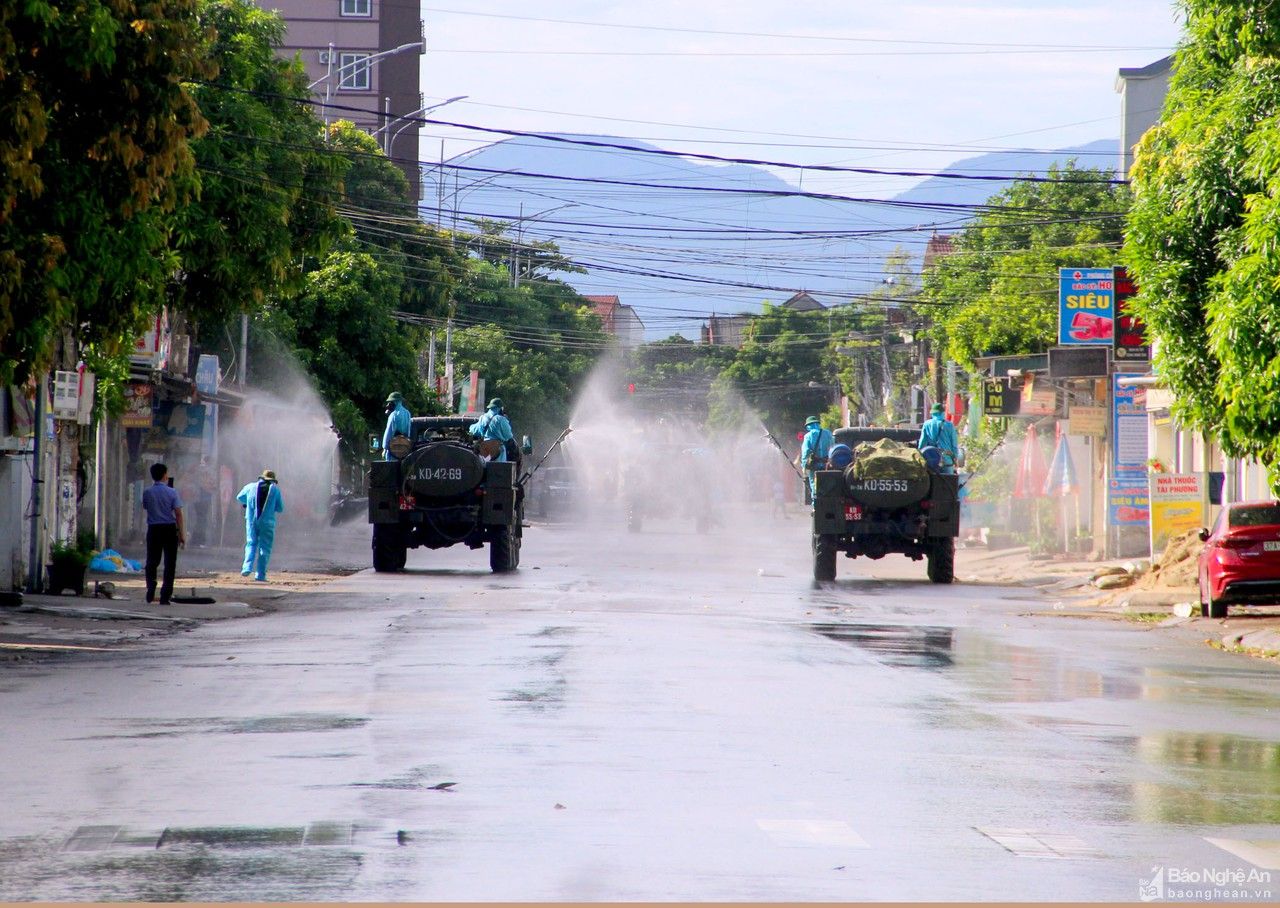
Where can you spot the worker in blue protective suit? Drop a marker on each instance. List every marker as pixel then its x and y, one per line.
pixel 814 452
pixel 399 422
pixel 939 434
pixel 261 501
pixel 494 426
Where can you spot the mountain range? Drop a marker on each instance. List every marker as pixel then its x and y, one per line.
pixel 677 238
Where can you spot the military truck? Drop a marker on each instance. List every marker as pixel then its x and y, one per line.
pixel 907 509
pixel 668 481
pixel 442 492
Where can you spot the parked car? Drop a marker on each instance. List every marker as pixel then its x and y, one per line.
pixel 1240 562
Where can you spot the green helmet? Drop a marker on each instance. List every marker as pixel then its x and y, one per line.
pixel 395 397
pixel 495 404
pixel 812 421
pixel 938 408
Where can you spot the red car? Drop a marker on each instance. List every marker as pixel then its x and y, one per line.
pixel 1241 558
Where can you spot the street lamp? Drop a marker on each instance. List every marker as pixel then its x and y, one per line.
pixel 353 65
pixel 390 141
pixel 519 243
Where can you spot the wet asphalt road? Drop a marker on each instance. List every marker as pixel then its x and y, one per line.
pixel 654 716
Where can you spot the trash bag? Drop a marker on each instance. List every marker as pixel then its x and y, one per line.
pixel 109 561
pixel 888 459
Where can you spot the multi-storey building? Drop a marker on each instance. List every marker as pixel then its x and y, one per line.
pixel 338 41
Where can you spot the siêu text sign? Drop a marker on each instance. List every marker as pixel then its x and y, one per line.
pixel 1086 306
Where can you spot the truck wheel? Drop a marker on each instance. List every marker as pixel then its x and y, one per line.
pixel 824 557
pixel 504 551
pixel 389 552
pixel 942 561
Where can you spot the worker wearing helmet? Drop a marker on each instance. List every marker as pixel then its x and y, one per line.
pixel 399 422
pixel 939 434
pixel 814 451
pixel 494 426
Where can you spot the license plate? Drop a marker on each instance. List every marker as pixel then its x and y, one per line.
pixel 852 512
pixel 1271 545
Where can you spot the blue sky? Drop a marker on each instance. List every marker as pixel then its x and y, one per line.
pixel 926 82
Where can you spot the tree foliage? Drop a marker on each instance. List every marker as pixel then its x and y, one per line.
pixel 268 184
pixel 95 125
pixel 376 200
pixel 342 331
pixel 1204 237
pixel 996 292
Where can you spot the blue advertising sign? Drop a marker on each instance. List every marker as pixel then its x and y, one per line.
pixel 1128 497
pixel 1086 305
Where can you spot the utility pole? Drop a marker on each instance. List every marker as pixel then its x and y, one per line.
pixel 448 364
pixel 242 367
pixel 431 365
pixel 440 190
pixel 35 559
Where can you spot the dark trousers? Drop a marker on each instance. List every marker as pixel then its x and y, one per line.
pixel 162 539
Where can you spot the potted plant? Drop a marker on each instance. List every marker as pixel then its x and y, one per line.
pixel 68 564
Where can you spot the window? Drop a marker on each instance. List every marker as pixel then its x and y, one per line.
pixel 357 7
pixel 354 69
pixel 1258 515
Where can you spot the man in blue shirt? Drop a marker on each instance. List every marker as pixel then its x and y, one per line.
pixel 164 531
pixel 940 434
pixel 399 422
pixel 494 426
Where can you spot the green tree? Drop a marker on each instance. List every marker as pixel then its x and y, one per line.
pixel 675 376
pixel 376 201
pixel 269 186
pixel 341 329
pixel 1203 240
pixel 95 125
pixel 996 292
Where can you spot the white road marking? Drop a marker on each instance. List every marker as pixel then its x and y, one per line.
pixel 801 833
pixel 1027 844
pixel 1264 854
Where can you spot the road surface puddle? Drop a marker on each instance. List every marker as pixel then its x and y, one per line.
pixel 1208 779
pixel 897 645
pixel 254 725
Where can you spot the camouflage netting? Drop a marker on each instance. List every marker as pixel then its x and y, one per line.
pixel 888 459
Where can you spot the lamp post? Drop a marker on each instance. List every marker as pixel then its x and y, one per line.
pixel 519 243
pixel 389 140
pixel 327 78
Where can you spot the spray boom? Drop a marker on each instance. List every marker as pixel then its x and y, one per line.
pixel 529 475
pixel 773 441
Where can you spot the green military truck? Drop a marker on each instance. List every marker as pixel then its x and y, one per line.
pixel 887 501
pixel 442 492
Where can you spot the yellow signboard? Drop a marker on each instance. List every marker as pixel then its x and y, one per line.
pixel 1179 502
pixel 1091 421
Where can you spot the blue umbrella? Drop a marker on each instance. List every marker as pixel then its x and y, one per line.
pixel 1061 479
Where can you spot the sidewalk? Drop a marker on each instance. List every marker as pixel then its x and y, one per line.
pixel 45 627
pixel 1248 629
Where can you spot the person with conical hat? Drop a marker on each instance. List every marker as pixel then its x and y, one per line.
pixel 262 501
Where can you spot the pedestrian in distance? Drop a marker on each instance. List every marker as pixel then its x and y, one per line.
pixel 495 426
pixel 399 423
pixel 939 434
pixel 814 452
pixel 165 534
pixel 262 501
